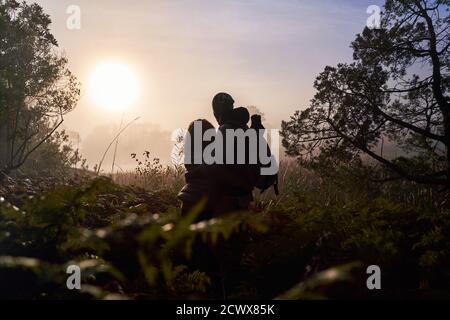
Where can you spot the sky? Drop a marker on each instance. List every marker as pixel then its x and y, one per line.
pixel 266 53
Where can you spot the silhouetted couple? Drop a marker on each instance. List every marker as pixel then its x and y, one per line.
pixel 220 173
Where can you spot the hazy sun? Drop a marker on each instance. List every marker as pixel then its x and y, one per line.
pixel 113 86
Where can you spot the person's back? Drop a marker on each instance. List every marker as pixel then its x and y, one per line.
pixel 264 181
pixel 199 184
pixel 235 181
pixel 257 122
pixel 240 117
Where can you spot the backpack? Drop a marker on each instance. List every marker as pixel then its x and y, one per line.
pixel 266 181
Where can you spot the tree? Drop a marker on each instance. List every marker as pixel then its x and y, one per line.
pixel 36 87
pixel 396 90
pixel 54 159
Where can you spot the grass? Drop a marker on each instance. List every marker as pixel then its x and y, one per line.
pixel 314 241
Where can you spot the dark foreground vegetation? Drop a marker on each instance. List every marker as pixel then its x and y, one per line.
pixel 314 242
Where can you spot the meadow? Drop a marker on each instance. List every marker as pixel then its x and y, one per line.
pixel 315 240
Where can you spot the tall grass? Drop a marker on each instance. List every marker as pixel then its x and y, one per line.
pixel 296 183
pixel 151 175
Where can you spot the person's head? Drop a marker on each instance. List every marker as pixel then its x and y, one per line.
pixel 222 104
pixel 205 126
pixel 257 122
pixel 241 116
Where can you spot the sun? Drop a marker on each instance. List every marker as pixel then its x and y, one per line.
pixel 113 86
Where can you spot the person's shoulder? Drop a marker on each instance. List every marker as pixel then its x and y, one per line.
pixel 226 126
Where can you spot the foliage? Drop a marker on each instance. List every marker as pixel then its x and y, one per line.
pixel 150 174
pixel 56 158
pixel 134 245
pixel 36 87
pixel 394 93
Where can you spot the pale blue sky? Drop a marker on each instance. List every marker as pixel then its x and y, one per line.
pixel 264 52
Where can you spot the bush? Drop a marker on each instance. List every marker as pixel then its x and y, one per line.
pixel 133 244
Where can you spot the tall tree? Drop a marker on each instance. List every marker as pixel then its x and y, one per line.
pixel 36 87
pixel 396 90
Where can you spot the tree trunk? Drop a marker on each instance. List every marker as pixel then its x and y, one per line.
pixel 4 147
pixel 447 145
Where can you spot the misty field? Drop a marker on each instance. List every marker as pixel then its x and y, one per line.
pixel 314 241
